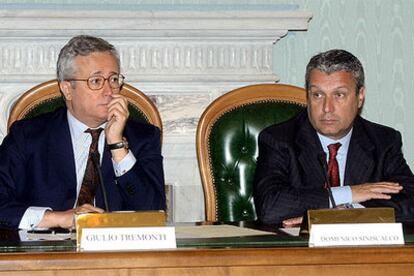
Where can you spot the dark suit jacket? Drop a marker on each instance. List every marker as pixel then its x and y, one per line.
pixel 289 179
pixel 37 168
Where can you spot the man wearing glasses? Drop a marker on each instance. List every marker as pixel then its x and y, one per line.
pixel 47 167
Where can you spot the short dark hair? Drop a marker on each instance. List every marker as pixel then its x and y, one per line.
pixel 337 60
pixel 81 45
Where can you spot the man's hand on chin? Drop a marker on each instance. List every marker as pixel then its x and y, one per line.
pixel 117 117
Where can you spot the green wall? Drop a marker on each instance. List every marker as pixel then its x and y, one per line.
pixel 381 34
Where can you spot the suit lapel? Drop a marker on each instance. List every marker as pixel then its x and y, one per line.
pixel 60 153
pixel 309 150
pixel 360 158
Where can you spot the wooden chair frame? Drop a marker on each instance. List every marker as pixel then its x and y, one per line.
pixel 238 97
pixel 50 89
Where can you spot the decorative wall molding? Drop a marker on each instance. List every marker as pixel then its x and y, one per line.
pixel 163 61
pixel 164 24
pixel 181 59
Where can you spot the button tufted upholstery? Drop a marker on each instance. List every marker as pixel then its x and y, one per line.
pixel 227 145
pixel 46 97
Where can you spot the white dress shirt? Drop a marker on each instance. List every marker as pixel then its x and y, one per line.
pixel 342 194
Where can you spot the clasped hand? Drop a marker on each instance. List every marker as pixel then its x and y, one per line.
pixel 65 219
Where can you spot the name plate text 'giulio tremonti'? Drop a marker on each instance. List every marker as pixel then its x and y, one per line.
pixel 127 238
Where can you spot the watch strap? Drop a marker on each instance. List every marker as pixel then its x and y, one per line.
pixel 119 145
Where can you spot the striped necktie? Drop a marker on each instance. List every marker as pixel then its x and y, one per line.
pixel 91 178
pixel 333 168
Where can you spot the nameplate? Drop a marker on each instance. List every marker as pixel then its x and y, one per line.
pixel 127 238
pixel 352 215
pixel 118 219
pixel 351 234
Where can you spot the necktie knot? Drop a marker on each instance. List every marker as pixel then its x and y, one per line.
pixel 333 149
pixel 94 133
pixel 95 137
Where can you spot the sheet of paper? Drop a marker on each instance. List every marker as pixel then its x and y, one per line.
pixel 181 232
pixel 215 231
pixel 292 231
pixel 45 236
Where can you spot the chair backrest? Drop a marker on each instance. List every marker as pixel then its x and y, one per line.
pixel 46 97
pixel 227 145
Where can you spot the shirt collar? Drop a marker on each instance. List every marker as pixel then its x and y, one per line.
pixel 325 141
pixel 76 127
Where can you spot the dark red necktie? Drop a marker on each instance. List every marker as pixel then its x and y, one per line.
pixel 91 178
pixel 333 168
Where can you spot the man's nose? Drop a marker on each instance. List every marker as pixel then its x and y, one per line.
pixel 107 89
pixel 328 105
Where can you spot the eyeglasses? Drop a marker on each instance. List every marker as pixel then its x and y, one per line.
pixel 97 82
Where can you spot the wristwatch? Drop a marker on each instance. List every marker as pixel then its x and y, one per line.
pixel 119 145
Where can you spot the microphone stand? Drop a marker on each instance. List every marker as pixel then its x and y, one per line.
pixel 304 227
pixel 95 161
pixel 322 161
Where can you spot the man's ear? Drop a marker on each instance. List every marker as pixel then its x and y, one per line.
pixel 361 97
pixel 66 89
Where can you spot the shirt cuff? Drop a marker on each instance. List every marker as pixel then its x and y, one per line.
pixel 341 195
pixel 124 165
pixel 357 205
pixel 32 217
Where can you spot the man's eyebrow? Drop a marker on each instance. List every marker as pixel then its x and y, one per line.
pixel 101 73
pixel 341 87
pixel 96 73
pixel 314 86
pixel 338 87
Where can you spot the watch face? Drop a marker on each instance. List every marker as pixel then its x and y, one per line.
pixel 125 142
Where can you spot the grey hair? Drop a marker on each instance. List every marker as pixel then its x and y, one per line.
pixel 81 45
pixel 337 60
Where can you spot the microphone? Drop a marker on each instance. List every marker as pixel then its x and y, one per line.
pixel 322 161
pixel 95 160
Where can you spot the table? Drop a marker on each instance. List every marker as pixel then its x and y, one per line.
pixel 230 261
pixel 286 256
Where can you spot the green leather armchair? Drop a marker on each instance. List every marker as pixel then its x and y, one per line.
pixel 46 97
pixel 227 145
